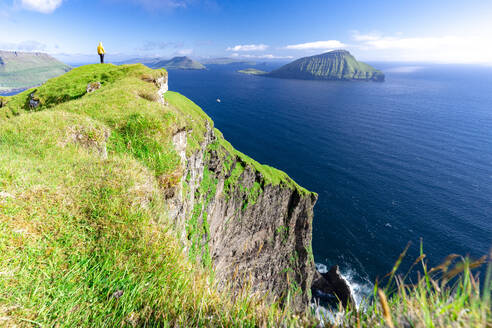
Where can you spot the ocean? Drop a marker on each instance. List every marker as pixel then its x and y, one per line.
pixel 407 160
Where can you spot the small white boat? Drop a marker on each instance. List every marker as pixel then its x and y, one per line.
pixel 218 100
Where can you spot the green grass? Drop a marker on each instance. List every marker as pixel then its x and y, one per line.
pixel 271 175
pixel 85 239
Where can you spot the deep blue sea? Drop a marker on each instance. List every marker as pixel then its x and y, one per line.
pixel 392 162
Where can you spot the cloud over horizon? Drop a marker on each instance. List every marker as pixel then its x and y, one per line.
pixel 448 48
pixel 317 45
pixel 266 56
pixel 28 46
pixel 42 6
pixel 248 47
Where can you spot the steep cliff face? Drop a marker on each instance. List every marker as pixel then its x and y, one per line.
pixel 251 223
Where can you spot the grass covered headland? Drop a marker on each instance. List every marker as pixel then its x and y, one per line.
pixel 85 240
pixel 84 236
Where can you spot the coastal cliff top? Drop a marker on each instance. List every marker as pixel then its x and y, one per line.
pixel 82 176
pixel 125 90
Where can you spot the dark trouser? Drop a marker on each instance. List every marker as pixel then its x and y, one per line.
pixel 102 58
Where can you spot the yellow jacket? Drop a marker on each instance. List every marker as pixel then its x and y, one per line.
pixel 100 49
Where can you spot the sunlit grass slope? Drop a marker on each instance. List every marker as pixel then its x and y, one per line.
pixel 84 237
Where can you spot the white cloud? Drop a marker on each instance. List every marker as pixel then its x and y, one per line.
pixel 450 48
pixel 29 46
pixel 329 44
pixel 248 47
pixel 184 52
pixel 42 6
pixel 158 6
pixel 267 56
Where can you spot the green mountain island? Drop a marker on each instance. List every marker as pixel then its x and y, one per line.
pixel 333 65
pixel 173 63
pixel 252 71
pixel 19 70
pixel 178 63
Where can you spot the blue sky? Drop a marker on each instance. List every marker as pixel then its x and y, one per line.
pixel 431 30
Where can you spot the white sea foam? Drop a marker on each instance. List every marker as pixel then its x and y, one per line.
pixel 360 287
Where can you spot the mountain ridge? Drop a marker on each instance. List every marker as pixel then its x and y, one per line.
pixel 20 70
pixel 178 62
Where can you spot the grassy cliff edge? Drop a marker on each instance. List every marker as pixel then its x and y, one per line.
pixel 83 225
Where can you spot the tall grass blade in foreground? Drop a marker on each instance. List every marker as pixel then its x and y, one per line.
pixel 449 295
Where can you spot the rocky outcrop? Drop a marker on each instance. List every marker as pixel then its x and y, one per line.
pixel 250 223
pixel 162 84
pixel 34 100
pixel 332 282
pixel 93 86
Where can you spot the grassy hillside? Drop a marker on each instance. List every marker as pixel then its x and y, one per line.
pixel 22 70
pixel 84 236
pixel 333 65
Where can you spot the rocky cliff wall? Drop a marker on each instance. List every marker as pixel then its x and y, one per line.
pixel 248 222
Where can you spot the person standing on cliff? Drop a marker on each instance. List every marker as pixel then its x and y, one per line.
pixel 101 52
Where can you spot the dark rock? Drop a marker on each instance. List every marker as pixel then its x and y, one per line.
pixel 332 282
pixel 321 283
pixel 33 101
pixel 93 86
pixel 3 102
pixel 117 294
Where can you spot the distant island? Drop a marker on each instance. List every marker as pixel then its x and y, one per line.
pixel 333 65
pixel 179 63
pixel 21 70
pixel 173 63
pixel 252 71
pixel 226 61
